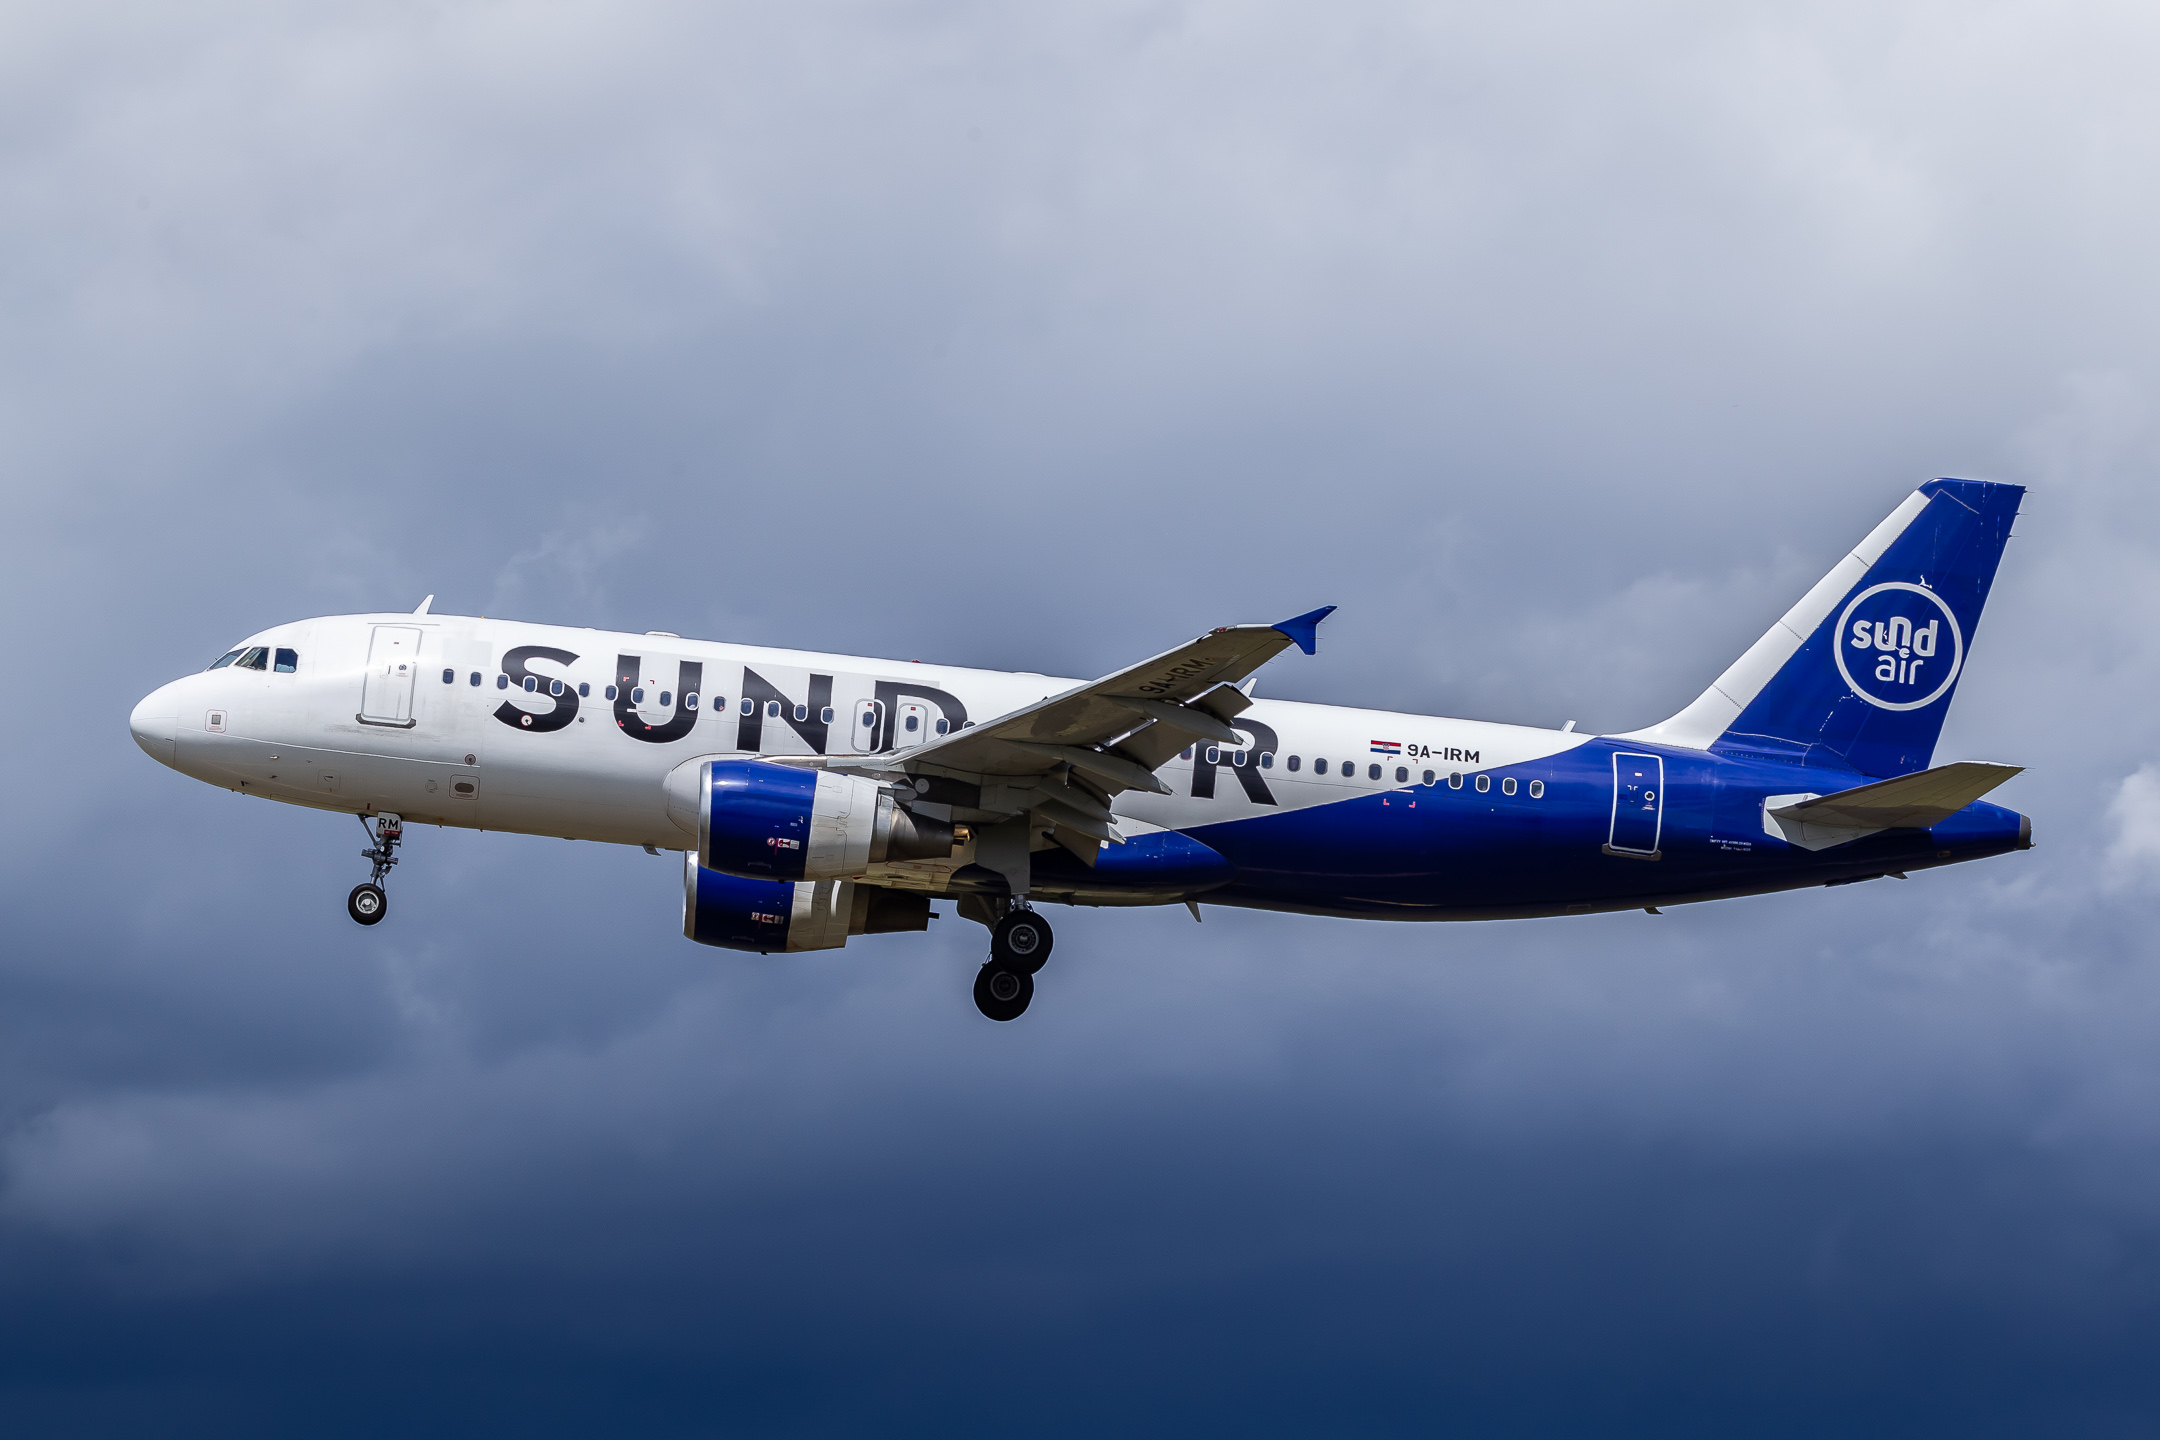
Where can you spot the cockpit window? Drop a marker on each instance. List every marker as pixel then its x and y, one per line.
pixel 225 659
pixel 257 657
pixel 287 661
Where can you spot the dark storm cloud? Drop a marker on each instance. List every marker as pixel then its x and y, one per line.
pixel 1561 347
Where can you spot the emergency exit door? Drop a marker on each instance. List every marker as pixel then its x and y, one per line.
pixel 911 725
pixel 386 696
pixel 865 725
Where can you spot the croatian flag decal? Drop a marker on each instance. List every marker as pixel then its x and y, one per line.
pixel 1387 747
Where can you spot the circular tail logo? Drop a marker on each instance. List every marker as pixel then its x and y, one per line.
pixel 1898 646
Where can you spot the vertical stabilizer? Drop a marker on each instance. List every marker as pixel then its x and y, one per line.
pixel 1861 672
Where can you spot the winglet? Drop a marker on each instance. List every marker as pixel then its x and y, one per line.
pixel 1305 628
pixel 422 607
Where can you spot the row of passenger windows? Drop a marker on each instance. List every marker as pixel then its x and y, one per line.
pixel 773 708
pixel 1348 770
pixel 259 657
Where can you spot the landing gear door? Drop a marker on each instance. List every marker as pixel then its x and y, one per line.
pixel 867 723
pixel 911 725
pixel 1638 805
pixel 386 696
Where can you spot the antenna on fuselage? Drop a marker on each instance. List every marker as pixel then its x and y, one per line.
pixel 421 608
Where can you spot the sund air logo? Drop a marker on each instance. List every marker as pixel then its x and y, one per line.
pixel 1898 646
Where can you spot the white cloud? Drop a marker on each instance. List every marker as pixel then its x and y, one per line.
pixel 2133 856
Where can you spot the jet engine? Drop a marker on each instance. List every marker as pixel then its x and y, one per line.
pixel 783 915
pixel 762 821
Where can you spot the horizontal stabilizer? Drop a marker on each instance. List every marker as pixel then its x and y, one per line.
pixel 1909 802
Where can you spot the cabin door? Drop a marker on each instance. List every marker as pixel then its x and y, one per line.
pixel 386 696
pixel 1638 806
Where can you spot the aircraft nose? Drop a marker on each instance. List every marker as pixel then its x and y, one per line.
pixel 155 724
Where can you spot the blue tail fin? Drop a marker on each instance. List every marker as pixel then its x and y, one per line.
pixel 1861 672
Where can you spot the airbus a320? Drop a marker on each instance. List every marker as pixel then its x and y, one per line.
pixel 816 798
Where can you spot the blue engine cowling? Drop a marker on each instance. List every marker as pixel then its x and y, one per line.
pixel 783 915
pixel 762 821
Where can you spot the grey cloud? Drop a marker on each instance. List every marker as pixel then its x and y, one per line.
pixel 1562 348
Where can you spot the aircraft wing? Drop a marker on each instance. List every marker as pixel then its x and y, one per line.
pixel 1118 729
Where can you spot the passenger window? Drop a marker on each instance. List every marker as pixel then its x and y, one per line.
pixel 1319 767
pixel 749 706
pixel 608 694
pixel 531 684
pixel 943 725
pixel 1293 763
pixel 555 687
pixel 502 682
pixel 256 658
pixel 1537 789
pixel 1188 753
pixel 287 661
pixel 1507 786
pixel 476 678
pixel 583 689
pixel 1267 759
pixel 1484 783
pixel 1372 772
pixel 802 713
pixel 637 696
pixel 449 677
pixel 914 722
pixel 689 701
pixel 1214 755
pixel 1454 781
pixel 772 711
pixel 223 660
pixel 1428 777
pixel 1401 774
pixel 1237 758
pixel 869 718
pixel 825 718
pixel 663 699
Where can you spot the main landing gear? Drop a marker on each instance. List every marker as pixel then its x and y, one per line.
pixel 367 903
pixel 1019 944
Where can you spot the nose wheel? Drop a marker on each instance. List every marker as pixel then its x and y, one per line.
pixel 1019 944
pixel 368 904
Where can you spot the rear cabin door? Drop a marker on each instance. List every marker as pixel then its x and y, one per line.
pixel 386 696
pixel 1638 809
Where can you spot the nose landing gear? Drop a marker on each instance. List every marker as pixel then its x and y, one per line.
pixel 367 903
pixel 1019 944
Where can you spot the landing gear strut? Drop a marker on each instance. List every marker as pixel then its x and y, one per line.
pixel 1019 944
pixel 367 903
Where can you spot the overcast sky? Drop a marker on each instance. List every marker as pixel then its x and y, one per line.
pixel 1561 346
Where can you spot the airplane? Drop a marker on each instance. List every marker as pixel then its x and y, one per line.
pixel 818 797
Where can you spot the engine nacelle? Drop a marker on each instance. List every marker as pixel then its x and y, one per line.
pixel 764 821
pixel 784 915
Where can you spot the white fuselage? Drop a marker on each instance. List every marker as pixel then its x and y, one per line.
pixel 443 752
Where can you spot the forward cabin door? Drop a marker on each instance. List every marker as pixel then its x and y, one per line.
pixel 1638 807
pixel 386 696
